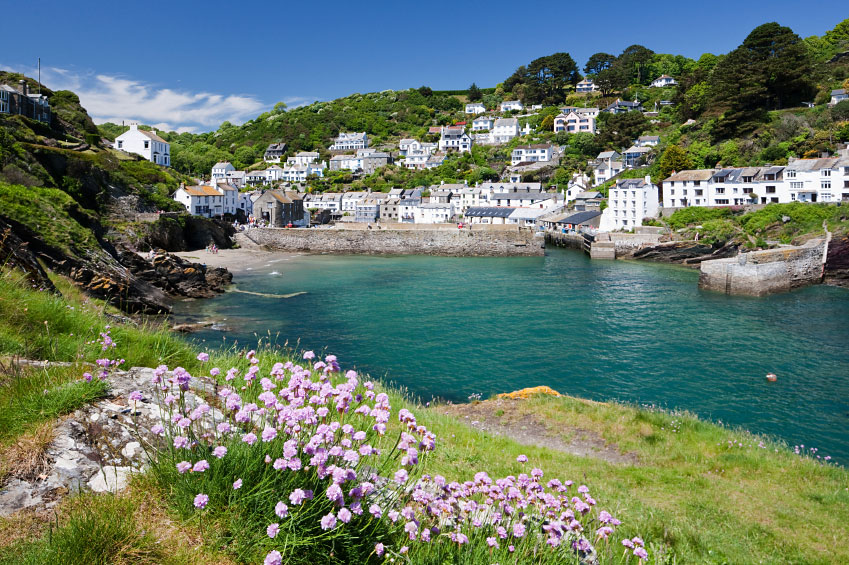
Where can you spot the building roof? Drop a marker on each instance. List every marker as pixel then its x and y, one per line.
pixel 406 141
pixel 488 212
pixel 607 154
pixel 506 122
pixel 535 146
pixel 202 190
pixel 152 136
pixel 580 217
pixel 691 175
pixel 588 195
pixel 523 195
pixel 838 92
pixel 222 165
pixel 649 138
pixel 276 147
pixel 631 183
pixel 635 149
pixel 434 205
pixel 528 213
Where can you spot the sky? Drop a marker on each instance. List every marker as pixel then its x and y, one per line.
pixel 189 66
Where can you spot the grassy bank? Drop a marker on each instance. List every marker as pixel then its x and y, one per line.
pixel 697 492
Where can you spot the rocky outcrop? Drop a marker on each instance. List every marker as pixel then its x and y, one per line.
pixel 685 252
pixel 188 233
pixel 14 252
pixel 176 276
pixel 97 447
pixel 837 261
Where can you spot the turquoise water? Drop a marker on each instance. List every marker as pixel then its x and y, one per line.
pixel 637 332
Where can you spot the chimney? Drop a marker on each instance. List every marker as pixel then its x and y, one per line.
pixel 648 179
pixel 24 87
pixel 134 127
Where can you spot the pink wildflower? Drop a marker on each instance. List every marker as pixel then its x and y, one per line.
pixel 272 530
pixel 249 438
pixel 273 558
pixel 183 466
pixel 203 357
pixel 219 451
pixel 201 500
pixel 522 459
pixel 344 515
pixel 201 466
pixel 379 549
pixel 237 484
pixel 328 522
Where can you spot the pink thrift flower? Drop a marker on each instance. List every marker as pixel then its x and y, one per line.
pixel 375 511
pixel 628 543
pixel 237 484
pixel 273 558
pixel 638 541
pixel 272 530
pixel 281 509
pixel 344 515
pixel 309 355
pixel 379 549
pixel 518 530
pixel 203 357
pixel 136 396
pixel 522 459
pixel 158 429
pixel 219 451
pixel 249 438
pixel 641 553
pixel 201 466
pixel 201 501
pixel 401 476
pixel 183 467
pixel 269 434
pixel 492 542
pixel 328 522
pixel 297 496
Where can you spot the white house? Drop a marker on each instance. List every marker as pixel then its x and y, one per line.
pixel 509 105
pixel 274 152
pixel 687 188
pixel 531 153
pixel 145 143
pixel 573 122
pixel 663 80
pixel 303 158
pixel 475 108
pixel 235 178
pixel 404 145
pixel 201 200
pixel 634 155
pixel 628 202
pixel 591 112
pixel 350 200
pixel 350 141
pixel 586 85
pixel 256 178
pixel 607 165
pixel 220 171
pixel 647 141
pixel 483 123
pixel 433 213
pixel 299 173
pixel 454 138
pixel 229 198
pixel 504 130
pixel 838 96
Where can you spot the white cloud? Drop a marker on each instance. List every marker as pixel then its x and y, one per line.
pixel 117 99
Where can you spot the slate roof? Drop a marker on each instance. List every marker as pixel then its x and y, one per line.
pixel 488 212
pixel 580 217
pixel 691 175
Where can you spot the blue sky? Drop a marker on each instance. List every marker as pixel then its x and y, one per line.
pixel 188 65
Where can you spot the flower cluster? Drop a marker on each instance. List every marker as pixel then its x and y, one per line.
pixel 329 448
pixel 105 365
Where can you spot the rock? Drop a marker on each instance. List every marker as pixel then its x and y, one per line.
pixel 176 276
pixel 182 232
pixel 685 252
pixel 837 261
pixel 110 479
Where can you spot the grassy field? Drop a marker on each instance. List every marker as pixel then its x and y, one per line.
pixel 695 491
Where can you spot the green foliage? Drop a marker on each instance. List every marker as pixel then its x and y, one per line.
pixel 803 218
pixel 545 80
pixel 696 215
pixel 618 131
pixel 673 159
pixel 475 93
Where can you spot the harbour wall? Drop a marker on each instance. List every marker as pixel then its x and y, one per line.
pixel 449 242
pixel 764 272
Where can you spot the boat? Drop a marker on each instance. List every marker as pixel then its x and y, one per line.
pixel 771 377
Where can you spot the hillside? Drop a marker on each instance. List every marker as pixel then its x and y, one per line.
pixel 743 108
pixel 69 203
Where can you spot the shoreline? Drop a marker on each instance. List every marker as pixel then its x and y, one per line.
pixel 238 261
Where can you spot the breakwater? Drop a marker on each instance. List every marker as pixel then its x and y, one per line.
pixel 447 242
pixel 765 272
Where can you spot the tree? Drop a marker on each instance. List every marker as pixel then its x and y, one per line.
pixel 634 60
pixel 544 80
pixel 611 80
pixel 426 91
pixel 475 93
pixel 279 108
pixel 599 62
pixel 771 69
pixel 620 130
pixel 547 123
pixel 674 159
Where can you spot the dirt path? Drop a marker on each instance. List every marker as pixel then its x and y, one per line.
pixel 509 418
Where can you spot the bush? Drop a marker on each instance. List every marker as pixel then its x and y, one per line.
pixel 695 215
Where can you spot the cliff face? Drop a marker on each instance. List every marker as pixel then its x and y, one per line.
pixel 188 233
pixel 837 262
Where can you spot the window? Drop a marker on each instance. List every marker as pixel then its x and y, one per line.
pixel 697 183
pixel 720 201
pixel 826 172
pixel 770 190
pixel 826 184
pixel 796 185
pixel 790 174
pixel 720 190
pixel 747 190
pixel 120 145
pixel 146 144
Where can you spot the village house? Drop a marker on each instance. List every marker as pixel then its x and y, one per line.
pixel 407 209
pixel 281 208
pixel 465 198
pixel 588 200
pixel 366 161
pixel 607 165
pixel 838 96
pixel 303 158
pixel 389 209
pixel 634 156
pixel 201 200
pixel 300 173
pixel 483 123
pixel 145 143
pixel 368 209
pixel 575 122
pixel 577 184
pixel 818 180
pixel 647 141
pixel 504 130
pixel 663 81
pixel 404 145
pixel 220 170
pixel 434 161
pixel 510 105
pixel 331 201
pixel 475 108
pixel 349 201
pixel 686 188
pixel 586 85
pixel 256 178
pixel 523 198
pixel 274 152
pixel 527 217
pixel 623 106
pixel 578 223
pixel 235 178
pixel 488 214
pixel 229 198
pixel 22 102
pixel 454 138
pixel 433 213
pixel 350 142
pixel 531 154
pixel 629 201
pixel 591 112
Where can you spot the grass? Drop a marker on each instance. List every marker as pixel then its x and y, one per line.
pixel 700 492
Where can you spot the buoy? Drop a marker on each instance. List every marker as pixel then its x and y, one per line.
pixel 771 377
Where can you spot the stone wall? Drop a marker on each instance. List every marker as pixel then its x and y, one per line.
pixel 455 242
pixel 765 272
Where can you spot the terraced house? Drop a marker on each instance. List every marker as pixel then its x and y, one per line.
pixel 20 101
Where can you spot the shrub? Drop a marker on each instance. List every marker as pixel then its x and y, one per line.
pixel 695 215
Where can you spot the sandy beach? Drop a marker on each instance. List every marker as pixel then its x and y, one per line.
pixel 238 260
